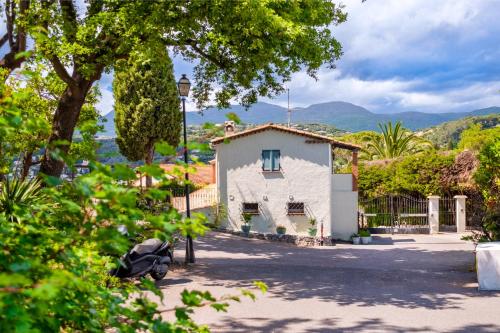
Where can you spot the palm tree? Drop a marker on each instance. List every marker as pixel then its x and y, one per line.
pixel 16 193
pixel 395 141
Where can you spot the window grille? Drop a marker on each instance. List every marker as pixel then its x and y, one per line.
pixel 296 208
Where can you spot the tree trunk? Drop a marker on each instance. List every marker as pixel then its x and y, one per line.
pixel 27 163
pixel 63 126
pixel 149 160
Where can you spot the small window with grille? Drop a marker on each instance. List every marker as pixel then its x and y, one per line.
pixel 296 208
pixel 251 208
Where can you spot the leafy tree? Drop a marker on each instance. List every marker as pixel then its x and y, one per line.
pixel 362 139
pixel 39 89
pixel 474 138
pixel 15 36
pixel 395 141
pixel 488 172
pixel 447 135
pixel 487 177
pixel 146 104
pixel 243 48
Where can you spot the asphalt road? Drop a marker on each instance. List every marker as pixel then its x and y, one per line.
pixel 405 283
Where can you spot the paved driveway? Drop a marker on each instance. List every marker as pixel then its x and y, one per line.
pixel 405 283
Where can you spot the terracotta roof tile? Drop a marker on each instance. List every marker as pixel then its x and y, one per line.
pixel 271 126
pixel 203 174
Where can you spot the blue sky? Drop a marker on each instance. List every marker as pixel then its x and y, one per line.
pixel 423 55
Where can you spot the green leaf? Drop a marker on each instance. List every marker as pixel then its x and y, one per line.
pixel 248 293
pixel 153 170
pixel 261 285
pixel 165 149
pixel 220 306
pixel 234 117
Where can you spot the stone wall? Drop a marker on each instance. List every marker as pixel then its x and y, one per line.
pixel 304 241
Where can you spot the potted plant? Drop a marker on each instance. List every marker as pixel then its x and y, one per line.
pixel 280 230
pixel 366 236
pixel 245 227
pixel 356 239
pixel 312 230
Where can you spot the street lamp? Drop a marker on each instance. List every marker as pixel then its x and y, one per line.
pixel 184 85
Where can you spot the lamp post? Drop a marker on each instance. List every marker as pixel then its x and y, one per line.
pixel 184 85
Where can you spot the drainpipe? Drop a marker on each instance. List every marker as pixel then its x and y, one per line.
pixel 322 239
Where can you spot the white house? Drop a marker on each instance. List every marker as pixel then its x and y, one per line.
pixel 285 177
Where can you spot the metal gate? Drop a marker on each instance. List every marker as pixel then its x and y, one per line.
pixel 394 214
pixel 447 215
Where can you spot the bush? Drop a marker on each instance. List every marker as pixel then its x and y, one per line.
pixel 475 138
pixel 418 175
pixel 487 177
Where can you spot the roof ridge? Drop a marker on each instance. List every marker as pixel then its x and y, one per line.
pixel 285 129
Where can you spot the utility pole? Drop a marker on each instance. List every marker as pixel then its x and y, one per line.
pixel 289 111
pixel 183 86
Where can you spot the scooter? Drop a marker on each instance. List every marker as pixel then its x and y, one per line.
pixel 151 256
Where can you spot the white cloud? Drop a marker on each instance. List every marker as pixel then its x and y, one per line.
pixel 430 56
pixel 388 95
pixel 413 28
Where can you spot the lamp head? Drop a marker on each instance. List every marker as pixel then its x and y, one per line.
pixel 184 85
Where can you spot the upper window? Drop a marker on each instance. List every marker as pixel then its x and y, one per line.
pixel 271 160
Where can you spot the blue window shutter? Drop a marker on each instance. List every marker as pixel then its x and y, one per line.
pixel 266 160
pixel 276 160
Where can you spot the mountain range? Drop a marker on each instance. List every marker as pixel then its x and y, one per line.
pixel 342 115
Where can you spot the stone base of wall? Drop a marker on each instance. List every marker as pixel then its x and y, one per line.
pixel 389 230
pixel 304 241
pixel 447 228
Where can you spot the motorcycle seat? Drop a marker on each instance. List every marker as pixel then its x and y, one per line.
pixel 148 246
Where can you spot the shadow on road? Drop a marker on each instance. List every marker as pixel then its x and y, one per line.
pixel 332 326
pixel 406 277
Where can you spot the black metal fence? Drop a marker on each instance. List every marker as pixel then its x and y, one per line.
pixel 447 215
pixel 396 214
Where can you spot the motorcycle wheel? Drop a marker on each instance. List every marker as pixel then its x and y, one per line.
pixel 158 273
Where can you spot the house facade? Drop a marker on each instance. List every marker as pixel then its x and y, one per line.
pixel 283 176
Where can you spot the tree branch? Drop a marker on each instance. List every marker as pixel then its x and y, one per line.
pixel 69 17
pixel 61 70
pixel 21 30
pixel 205 55
pixel 17 43
pixel 4 39
pixel 9 16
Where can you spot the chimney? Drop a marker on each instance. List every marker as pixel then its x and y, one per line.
pixel 229 127
pixel 213 173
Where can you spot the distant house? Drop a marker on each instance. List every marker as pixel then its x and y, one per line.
pixel 204 174
pixel 284 176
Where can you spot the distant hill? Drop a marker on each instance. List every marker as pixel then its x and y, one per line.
pixel 342 115
pixel 448 134
pixel 108 123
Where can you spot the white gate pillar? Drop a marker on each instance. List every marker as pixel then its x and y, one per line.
pixel 433 214
pixel 460 212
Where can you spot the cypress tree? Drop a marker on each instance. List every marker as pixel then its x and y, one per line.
pixel 147 108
